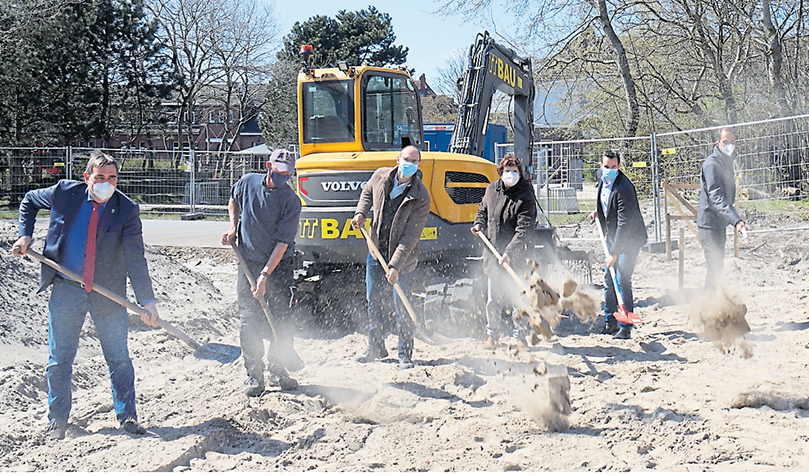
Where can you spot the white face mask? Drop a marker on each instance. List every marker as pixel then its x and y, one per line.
pixel 727 149
pixel 103 190
pixel 510 178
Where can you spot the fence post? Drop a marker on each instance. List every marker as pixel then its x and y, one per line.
pixel 192 186
pixel 69 162
pixel 655 185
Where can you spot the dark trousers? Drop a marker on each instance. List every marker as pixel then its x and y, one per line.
pixel 378 293
pixel 713 245
pixel 253 325
pixel 623 273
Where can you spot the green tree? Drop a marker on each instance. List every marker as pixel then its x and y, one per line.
pixel 364 36
pixel 279 116
pixel 62 76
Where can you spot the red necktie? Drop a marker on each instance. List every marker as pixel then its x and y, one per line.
pixel 90 251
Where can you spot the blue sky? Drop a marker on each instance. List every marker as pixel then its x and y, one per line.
pixel 430 37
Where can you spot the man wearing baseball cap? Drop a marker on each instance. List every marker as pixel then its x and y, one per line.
pixel 264 213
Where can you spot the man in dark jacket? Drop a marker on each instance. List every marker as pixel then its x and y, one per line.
pixel 95 231
pixel 507 215
pixel 618 209
pixel 401 205
pixel 716 211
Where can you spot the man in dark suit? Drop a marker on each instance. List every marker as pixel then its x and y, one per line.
pixel 617 208
pixel 717 194
pixel 80 210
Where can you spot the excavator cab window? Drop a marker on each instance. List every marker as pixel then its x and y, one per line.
pixel 328 111
pixel 390 113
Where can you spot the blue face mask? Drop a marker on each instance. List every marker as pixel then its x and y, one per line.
pixel 609 174
pixel 279 179
pixel 407 169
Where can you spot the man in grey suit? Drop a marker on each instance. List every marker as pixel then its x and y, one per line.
pixel 716 211
pixel 79 211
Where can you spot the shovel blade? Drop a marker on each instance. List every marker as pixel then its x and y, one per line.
pixel 627 317
pixel 219 352
pixel 432 338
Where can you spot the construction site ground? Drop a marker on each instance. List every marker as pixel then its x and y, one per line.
pixel 669 399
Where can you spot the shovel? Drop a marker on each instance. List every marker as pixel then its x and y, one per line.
pixel 544 324
pixel 421 332
pixel 292 361
pixel 621 315
pixel 219 352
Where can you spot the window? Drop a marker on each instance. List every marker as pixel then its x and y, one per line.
pixel 328 111
pixel 211 117
pixel 391 112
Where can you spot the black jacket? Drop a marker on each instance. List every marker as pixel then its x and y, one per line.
pixel 624 224
pixel 717 192
pixel 507 216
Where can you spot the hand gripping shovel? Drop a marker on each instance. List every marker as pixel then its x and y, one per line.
pixel 219 352
pixel 291 360
pixel 621 314
pixel 544 324
pixel 421 332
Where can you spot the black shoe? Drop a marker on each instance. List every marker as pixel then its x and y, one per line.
pixel 254 388
pixel 371 354
pixel 130 425
pixel 610 329
pixel 623 334
pixel 405 363
pixel 287 384
pixel 56 430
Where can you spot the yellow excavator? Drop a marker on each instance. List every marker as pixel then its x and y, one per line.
pixel 353 120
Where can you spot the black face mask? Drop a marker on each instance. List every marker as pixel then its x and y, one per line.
pixel 279 179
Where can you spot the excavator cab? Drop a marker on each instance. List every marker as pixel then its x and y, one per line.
pixel 359 109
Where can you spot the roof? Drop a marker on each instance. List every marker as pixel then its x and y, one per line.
pixel 260 149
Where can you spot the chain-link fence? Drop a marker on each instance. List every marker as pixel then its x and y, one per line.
pixel 771 165
pixel 772 169
pixel 161 181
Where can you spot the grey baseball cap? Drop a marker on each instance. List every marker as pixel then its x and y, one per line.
pixel 283 160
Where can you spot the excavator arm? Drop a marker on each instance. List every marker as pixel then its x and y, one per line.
pixel 493 67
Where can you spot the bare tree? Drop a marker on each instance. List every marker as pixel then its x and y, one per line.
pixel 189 29
pixel 452 71
pixel 243 50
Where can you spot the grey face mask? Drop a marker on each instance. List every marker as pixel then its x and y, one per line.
pixel 279 179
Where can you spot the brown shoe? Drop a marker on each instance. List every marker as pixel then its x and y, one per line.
pixel 490 344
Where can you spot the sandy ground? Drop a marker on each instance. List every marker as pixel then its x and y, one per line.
pixel 667 400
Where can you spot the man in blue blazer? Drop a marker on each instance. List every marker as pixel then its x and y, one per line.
pixel 118 253
pixel 618 209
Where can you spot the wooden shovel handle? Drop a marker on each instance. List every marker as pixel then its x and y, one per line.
pixel 375 252
pixel 264 306
pixel 520 282
pixel 116 298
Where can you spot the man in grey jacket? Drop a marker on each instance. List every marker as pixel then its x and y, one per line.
pixel 401 205
pixel 716 210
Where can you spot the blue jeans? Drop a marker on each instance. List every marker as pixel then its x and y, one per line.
pixel 68 306
pixel 377 293
pixel 623 273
